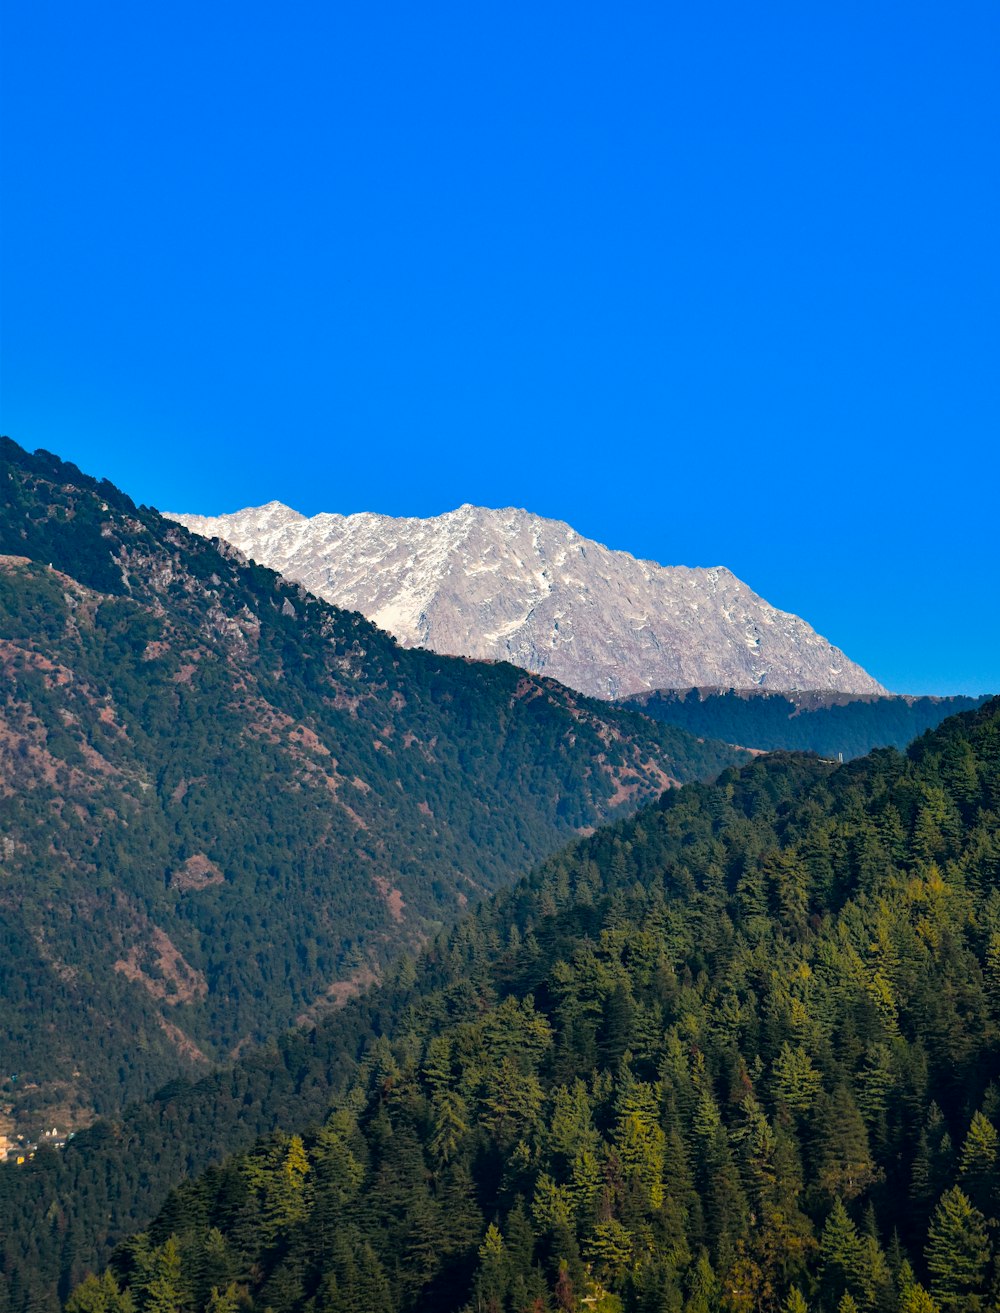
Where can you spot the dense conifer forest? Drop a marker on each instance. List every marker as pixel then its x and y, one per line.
pixel 226 804
pixel 740 1052
pixel 827 723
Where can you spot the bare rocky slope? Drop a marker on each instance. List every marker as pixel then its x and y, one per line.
pixel 509 585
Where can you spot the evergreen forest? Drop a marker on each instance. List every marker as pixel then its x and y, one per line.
pixel 226 805
pixel 738 1052
pixel 829 724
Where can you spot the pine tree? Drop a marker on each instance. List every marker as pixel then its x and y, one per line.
pixel 842 1251
pixel 337 1174
pixel 462 1222
pixel 724 1202
pixel 584 1184
pixel 571 1130
pixel 616 1030
pixel 979 1152
pixel 550 1206
pixel 877 1288
pixel 913 1298
pixel 703 1292
pixel 957 1253
pixel 520 1239
pixel 977 1164
pixel 99 1295
pixel 160 1279
pixel 874 1084
pixel 639 1139
pixel 285 1193
pixel 845 1162
pixel 210 1266
pixel 610 1249
pixel 223 1301
pixel 373 1292
pixel 796 1081
pixel 933 1165
pixel 437 1065
pixel 493 1279
pixel 450 1125
pixel 756 1141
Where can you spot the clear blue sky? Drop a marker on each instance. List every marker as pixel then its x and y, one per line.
pixel 716 283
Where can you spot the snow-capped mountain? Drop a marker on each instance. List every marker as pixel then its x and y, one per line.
pixel 512 586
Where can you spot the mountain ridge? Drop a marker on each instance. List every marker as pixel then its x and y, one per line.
pixel 831 724
pixel 225 801
pixel 506 584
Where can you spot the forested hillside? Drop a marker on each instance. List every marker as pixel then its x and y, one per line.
pixel 227 804
pixel 827 723
pixel 739 1052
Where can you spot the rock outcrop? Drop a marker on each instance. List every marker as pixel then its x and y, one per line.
pixel 509 585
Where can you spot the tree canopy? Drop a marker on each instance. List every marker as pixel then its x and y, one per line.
pixel 739 1052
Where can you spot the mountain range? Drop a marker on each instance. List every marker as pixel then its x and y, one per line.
pixel 511 586
pixel 736 1051
pixel 835 725
pixel 227 804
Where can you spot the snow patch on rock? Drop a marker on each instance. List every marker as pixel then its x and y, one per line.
pixel 509 585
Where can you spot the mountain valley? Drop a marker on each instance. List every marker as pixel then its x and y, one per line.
pixel 464 990
pixel 228 805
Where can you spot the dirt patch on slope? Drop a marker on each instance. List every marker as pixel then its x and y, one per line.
pixel 337 994
pixel 175 981
pixel 392 896
pixel 198 872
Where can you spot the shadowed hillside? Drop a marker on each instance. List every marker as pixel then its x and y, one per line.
pixel 738 1052
pixel 226 804
pixel 830 724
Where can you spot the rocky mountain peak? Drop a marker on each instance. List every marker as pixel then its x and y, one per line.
pixel 505 584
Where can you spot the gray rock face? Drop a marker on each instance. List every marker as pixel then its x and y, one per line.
pixel 508 585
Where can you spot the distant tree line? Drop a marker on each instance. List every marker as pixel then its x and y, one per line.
pixel 808 722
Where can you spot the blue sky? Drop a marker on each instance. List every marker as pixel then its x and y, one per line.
pixel 715 283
